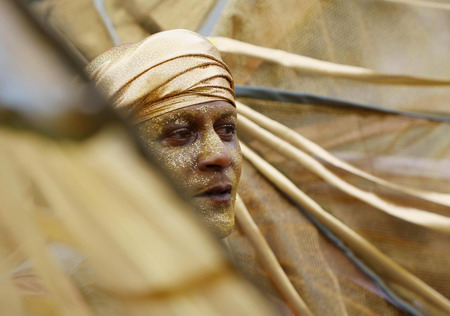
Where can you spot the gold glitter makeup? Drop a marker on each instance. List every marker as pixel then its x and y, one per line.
pixel 184 162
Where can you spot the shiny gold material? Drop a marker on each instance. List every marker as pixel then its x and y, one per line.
pixel 164 72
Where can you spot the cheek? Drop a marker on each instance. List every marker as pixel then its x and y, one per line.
pixel 236 156
pixel 178 162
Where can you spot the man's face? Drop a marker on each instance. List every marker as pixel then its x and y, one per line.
pixel 198 147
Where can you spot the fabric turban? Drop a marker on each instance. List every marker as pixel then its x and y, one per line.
pixel 164 72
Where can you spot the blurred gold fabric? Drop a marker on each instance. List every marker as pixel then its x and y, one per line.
pixel 383 36
pixel 88 226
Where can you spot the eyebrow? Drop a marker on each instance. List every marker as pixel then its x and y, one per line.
pixel 188 116
pixel 176 116
pixel 228 113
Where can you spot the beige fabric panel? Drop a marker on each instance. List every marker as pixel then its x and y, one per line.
pixel 384 36
pixel 315 66
pixel 174 14
pixel 85 29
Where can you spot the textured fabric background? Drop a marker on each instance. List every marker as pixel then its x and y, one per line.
pixel 392 38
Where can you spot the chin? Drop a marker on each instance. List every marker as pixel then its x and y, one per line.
pixel 222 230
pixel 220 223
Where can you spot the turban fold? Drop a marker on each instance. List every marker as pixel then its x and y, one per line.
pixel 164 72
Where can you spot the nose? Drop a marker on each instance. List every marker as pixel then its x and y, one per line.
pixel 215 155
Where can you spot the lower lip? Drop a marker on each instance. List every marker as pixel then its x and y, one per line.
pixel 216 198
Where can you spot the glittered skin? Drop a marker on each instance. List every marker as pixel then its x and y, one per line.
pixel 198 147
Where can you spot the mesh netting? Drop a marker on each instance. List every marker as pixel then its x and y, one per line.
pixel 328 282
pixel 383 36
pixel 390 37
pixel 399 149
pixel 387 37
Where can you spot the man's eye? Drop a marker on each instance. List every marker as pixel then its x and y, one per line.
pixel 226 132
pixel 179 136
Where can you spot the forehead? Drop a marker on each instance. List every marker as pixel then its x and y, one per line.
pixel 209 111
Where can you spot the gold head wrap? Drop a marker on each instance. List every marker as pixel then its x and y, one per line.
pixel 164 72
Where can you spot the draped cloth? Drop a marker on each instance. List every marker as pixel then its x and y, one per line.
pixel 162 73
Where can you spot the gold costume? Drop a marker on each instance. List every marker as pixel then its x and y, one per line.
pixel 88 241
pixel 164 72
pixel 352 54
